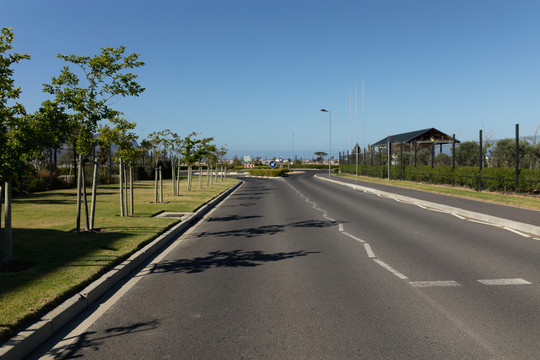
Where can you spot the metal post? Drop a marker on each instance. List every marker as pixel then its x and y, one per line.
pixel 401 159
pixel 329 141
pixel 357 149
pixel 453 159
pixel 389 151
pixel 415 147
pixel 517 159
pixel 481 163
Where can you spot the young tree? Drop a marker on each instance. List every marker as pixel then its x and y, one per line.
pixel 467 154
pixel 190 155
pixel 319 155
pixel 12 131
pixel 203 147
pixel 126 154
pixel 105 77
pixel 157 139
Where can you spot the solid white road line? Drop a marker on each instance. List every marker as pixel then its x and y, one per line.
pixel 447 283
pixel 340 227
pixel 459 216
pixel 517 232
pixel 369 252
pixel 353 237
pixel 517 281
pixel 391 269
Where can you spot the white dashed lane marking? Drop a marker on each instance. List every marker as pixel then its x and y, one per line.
pixel 420 284
pixel 517 281
pixel 448 283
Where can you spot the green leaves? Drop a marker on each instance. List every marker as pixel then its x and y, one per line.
pixel 104 77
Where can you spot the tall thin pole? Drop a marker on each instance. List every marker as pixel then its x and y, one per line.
pixel 363 122
pixel 350 120
pixel 329 141
pixel 292 159
pixel 356 125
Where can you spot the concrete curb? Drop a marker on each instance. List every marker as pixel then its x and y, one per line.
pixel 32 337
pixel 494 220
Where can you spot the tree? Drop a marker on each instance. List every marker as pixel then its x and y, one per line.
pixel 190 155
pixel 202 149
pixel 105 77
pixel 121 136
pixel 13 136
pixel 319 155
pixel 157 139
pixel 467 154
pixel 53 127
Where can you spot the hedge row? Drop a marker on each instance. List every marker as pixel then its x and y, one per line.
pixel 493 179
pixel 268 172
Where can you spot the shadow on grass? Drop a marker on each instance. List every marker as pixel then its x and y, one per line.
pixel 51 251
pixel 269 229
pixel 220 259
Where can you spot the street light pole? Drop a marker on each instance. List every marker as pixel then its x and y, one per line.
pixel 329 141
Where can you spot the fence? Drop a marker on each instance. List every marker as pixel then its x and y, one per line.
pixel 442 169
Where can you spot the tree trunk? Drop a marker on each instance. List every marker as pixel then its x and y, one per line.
pixel 86 217
pixel 109 168
pixel 8 238
pixel 161 184
pixel 173 177
pixel 94 194
pixel 51 167
pixel 79 176
pixel 126 197
pixel 178 177
pixel 156 185
pixel 131 189
pixel 1 238
pixel 121 186
pixel 189 177
pixel 208 175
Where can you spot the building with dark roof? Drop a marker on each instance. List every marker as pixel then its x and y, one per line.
pixel 419 139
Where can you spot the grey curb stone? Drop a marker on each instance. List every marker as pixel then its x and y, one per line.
pixel 32 337
pixel 494 220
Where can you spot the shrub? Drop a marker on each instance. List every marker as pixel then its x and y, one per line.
pixel 268 172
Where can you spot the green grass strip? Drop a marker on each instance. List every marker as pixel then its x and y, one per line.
pixel 63 262
pixel 524 201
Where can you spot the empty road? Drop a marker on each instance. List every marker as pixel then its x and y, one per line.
pixel 299 268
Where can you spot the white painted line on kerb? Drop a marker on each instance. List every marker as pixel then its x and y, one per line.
pixel 447 283
pixel 369 252
pixel 340 227
pixel 517 281
pixel 353 237
pixel 517 232
pixel 391 269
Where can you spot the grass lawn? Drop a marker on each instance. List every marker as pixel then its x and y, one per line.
pixel 524 201
pixel 62 262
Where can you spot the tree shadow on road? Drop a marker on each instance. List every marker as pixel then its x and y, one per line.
pixel 233 217
pixel 93 339
pixel 269 229
pixel 220 259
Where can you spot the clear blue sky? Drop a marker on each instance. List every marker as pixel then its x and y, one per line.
pixel 251 73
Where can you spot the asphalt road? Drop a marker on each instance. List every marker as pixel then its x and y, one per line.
pixel 304 269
